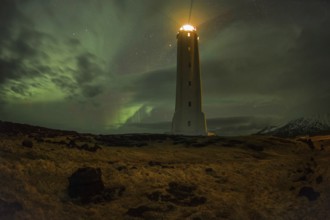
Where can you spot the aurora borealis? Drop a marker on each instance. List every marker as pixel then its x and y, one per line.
pixel 108 66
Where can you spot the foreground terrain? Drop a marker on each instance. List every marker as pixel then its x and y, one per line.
pixel 163 176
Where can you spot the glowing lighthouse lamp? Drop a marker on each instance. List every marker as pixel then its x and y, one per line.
pixel 187 27
pixel 188 118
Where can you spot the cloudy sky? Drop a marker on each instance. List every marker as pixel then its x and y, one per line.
pixel 108 66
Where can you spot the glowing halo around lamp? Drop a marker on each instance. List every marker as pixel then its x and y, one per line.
pixel 187 27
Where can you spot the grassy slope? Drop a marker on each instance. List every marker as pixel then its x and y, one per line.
pixel 239 182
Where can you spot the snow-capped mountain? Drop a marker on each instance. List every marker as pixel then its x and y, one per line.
pixel 301 126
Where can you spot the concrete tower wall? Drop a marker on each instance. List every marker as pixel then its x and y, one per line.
pixel 188 117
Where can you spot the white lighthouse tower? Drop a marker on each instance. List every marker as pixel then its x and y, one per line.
pixel 188 118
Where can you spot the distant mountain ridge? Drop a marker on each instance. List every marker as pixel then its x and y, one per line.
pixel 18 128
pixel 301 126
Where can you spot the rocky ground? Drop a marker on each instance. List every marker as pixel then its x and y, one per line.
pixel 49 174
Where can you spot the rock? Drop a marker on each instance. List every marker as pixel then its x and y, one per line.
pixel 27 143
pixel 195 201
pixel 95 148
pixel 178 194
pixel 310 144
pixel 71 144
pixel 113 193
pixel 209 170
pixel 309 193
pixel 122 168
pixel 8 209
pixel 155 196
pixel 180 191
pixel 84 147
pixel 319 179
pixel 141 210
pixel 154 163
pixel 85 183
pixel 255 147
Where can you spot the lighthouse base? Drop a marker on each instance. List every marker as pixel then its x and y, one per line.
pixel 184 124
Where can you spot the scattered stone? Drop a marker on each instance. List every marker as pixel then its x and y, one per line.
pixel 309 142
pixel 180 191
pixel 236 142
pixel 183 195
pixel 27 143
pixel 302 178
pixel 141 210
pixel 319 179
pixel 255 147
pixel 209 170
pixel 39 139
pixel 167 167
pixel 195 201
pixel 178 194
pixel 205 144
pixel 85 183
pixel 113 193
pixel 84 147
pixel 121 168
pixel 95 148
pixel 154 163
pixel 309 193
pixel 155 196
pixel 72 144
pixel 8 209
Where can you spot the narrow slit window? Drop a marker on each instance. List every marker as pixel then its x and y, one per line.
pixel 189 49
pixel 189 123
pixel 189 104
pixel 188 34
pixel 189 64
pixel 189 83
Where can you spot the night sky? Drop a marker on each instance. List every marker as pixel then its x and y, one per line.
pixel 109 66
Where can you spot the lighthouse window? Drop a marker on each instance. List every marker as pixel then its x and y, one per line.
pixel 189 83
pixel 189 64
pixel 189 104
pixel 189 123
pixel 189 48
pixel 188 34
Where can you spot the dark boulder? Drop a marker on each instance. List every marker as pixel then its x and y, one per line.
pixel 27 143
pixel 8 209
pixel 85 183
pixel 309 193
pixel 180 191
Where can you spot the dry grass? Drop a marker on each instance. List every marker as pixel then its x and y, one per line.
pixel 241 178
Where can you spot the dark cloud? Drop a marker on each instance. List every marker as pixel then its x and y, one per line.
pixel 88 72
pixel 261 61
pixel 20 56
pixel 92 90
pixel 8 69
pixel 155 87
pixel 20 89
pixel 66 84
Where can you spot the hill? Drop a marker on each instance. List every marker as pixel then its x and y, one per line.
pixel 67 175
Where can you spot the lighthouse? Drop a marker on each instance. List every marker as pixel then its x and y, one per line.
pixel 188 118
